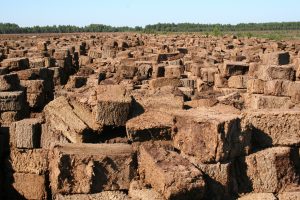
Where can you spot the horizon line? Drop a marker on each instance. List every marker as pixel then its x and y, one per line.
pixel 143 26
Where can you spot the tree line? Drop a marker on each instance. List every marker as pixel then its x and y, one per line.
pixel 10 28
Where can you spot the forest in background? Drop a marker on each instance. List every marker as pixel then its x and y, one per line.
pixel 11 28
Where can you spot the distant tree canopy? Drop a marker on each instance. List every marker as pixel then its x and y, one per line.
pixel 190 27
pixel 9 28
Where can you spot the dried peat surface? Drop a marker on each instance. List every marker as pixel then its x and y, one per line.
pixel 131 116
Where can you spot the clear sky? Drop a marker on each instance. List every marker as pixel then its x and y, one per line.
pixel 143 12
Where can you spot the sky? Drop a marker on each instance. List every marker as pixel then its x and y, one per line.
pixel 142 12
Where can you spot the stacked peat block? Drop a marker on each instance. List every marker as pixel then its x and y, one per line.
pixel 25 164
pixel 39 87
pixel 169 174
pixel 173 176
pixel 204 74
pixel 63 66
pixel 26 167
pixel 38 62
pixel 274 165
pixel 170 117
pixel 233 77
pixel 80 61
pixel 177 72
pixel 109 49
pixel 17 53
pixel 144 71
pixel 81 48
pixel 66 123
pixel 274 86
pixel 113 105
pixel 13 106
pixel 13 99
pixel 91 168
pixel 212 140
pixel 151 125
pixel 92 54
pixel 14 64
pixel 82 117
pixel 76 81
pixel 272 170
pixel 36 94
pixel 37 78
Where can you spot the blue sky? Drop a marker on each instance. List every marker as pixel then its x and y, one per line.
pixel 143 12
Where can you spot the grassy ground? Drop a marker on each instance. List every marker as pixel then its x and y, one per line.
pixel 273 35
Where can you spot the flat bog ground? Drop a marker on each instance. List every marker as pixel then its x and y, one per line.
pixel 130 116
